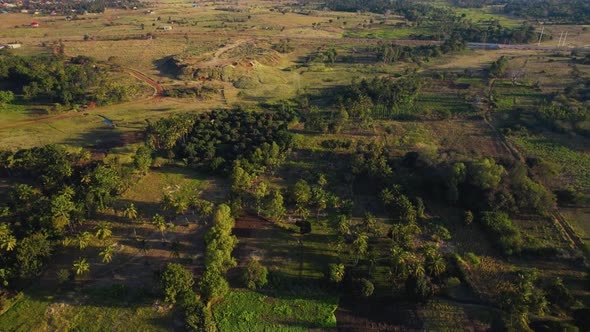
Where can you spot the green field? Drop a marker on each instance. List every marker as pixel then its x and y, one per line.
pixel 251 311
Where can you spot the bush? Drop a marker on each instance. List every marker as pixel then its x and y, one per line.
pixel 364 287
pixel 336 273
pixel 472 258
pixel 503 232
pixel 177 283
pixel 254 275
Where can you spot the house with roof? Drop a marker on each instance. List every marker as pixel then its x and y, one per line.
pixel 34 24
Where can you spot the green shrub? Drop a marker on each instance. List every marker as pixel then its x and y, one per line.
pixel 254 275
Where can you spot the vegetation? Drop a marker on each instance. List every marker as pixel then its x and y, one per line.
pixel 294 166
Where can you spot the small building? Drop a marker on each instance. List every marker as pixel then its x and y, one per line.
pixel 165 28
pixel 13 45
pixel 34 25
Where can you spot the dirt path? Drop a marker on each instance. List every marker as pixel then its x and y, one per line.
pixel 215 59
pixel 157 95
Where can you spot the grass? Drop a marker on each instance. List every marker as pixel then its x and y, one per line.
pixel 25 315
pixel 88 311
pixel 251 311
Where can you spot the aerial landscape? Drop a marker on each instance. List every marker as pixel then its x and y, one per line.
pixel 276 165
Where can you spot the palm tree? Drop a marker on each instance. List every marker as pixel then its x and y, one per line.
pixel 130 212
pixel 435 264
pixel 81 266
pixel 160 223
pixel 7 240
pixel 399 261
pixel 103 230
pixel 83 239
pixel 360 246
pixel 107 253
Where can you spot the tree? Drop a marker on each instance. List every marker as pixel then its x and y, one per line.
pixel 360 246
pixel 130 212
pixel 213 285
pixel 107 253
pixel 254 274
pixel 103 230
pixel 275 206
pixel 419 287
pixel 240 180
pixel 81 266
pixel 319 199
pixel 435 264
pixel 301 193
pixel 259 192
pixel 83 240
pixel 31 253
pixel 369 223
pixel 160 223
pixel 6 96
pixel 142 160
pixel 177 283
pixel 364 287
pixel 61 207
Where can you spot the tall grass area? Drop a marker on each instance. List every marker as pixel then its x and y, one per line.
pixel 25 315
pixel 252 311
pixel 574 165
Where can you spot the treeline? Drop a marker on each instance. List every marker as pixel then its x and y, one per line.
pixel 62 189
pixel 214 141
pixel 444 22
pixel 557 11
pixel 69 6
pixel 391 53
pixel 51 79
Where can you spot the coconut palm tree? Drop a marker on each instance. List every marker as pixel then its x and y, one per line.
pixel 81 266
pixel 7 240
pixel 83 239
pixel 103 230
pixel 107 253
pixel 130 212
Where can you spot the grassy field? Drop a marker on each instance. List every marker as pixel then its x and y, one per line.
pixel 83 312
pixel 242 310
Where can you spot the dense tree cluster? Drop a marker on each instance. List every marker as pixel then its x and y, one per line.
pixel 51 79
pixel 61 190
pixel 381 98
pixel 214 140
pixel 394 53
